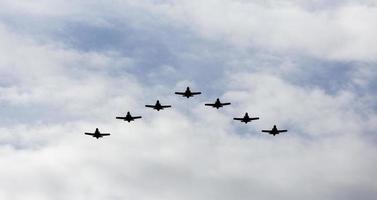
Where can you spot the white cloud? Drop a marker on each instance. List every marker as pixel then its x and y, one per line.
pixel 338 30
pixel 189 151
pixel 345 33
pixel 55 77
pixel 309 110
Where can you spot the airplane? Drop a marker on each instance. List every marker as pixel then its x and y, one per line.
pixel 129 117
pixel 97 134
pixel 158 106
pixel 217 104
pixel 274 131
pixel 188 93
pixel 246 118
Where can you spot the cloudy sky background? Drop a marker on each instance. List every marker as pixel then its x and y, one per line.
pixel 69 67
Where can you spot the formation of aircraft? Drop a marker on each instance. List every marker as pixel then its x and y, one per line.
pixel 217 104
pixel 129 117
pixel 246 119
pixel 187 93
pixel 97 134
pixel 158 106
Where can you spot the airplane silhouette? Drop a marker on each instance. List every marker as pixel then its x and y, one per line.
pixel 274 131
pixel 246 118
pixel 97 134
pixel 217 104
pixel 188 93
pixel 158 106
pixel 129 117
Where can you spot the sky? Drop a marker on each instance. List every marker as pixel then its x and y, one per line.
pixel 68 67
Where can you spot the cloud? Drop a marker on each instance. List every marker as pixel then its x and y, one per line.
pixel 317 111
pixel 305 66
pixel 340 33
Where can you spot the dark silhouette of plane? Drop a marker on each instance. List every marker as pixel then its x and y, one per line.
pixel 188 93
pixel 158 106
pixel 246 118
pixel 217 104
pixel 97 134
pixel 129 117
pixel 274 131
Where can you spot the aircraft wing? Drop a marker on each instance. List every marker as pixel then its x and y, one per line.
pixel 254 118
pixel 238 119
pixel 89 133
pixel 136 117
pixel 195 93
pixel 266 131
pixel 210 104
pixel 180 93
pixel 150 106
pixel 225 104
pixel 121 118
pixel 167 106
pixel 105 134
pixel 282 131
